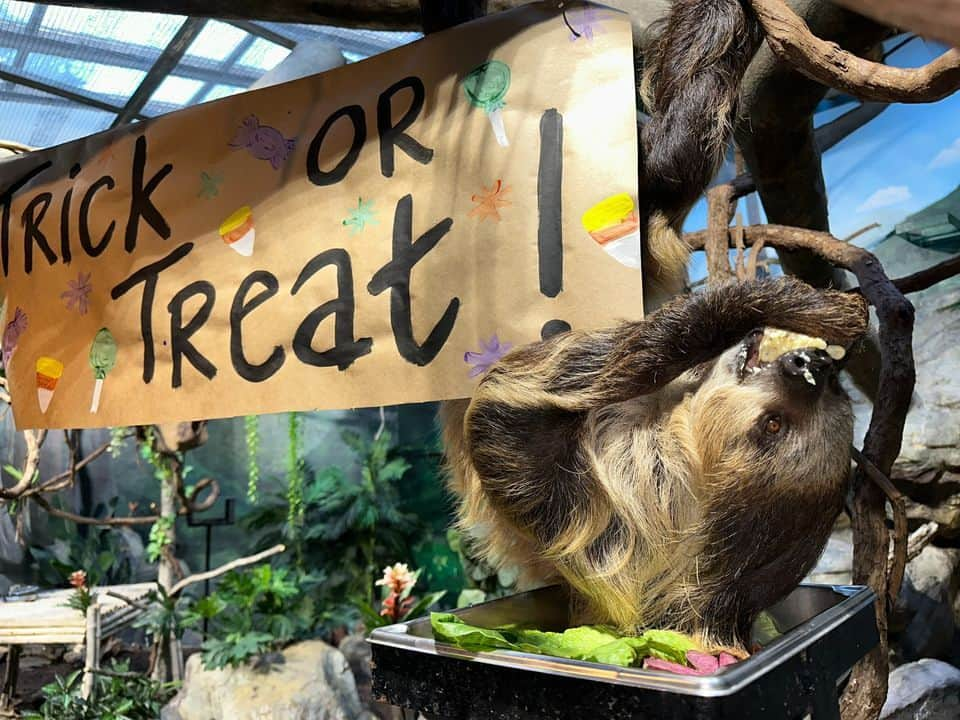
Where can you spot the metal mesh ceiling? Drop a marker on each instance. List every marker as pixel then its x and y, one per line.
pixel 69 72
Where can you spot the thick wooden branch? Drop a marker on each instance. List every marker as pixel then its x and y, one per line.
pixel 719 212
pixel 867 688
pixel 826 62
pixel 937 19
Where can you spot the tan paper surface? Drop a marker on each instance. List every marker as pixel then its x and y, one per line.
pixel 478 203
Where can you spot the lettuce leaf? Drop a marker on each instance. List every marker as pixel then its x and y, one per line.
pixel 588 643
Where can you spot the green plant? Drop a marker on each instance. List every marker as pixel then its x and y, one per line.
pixel 253 612
pixel 295 480
pixel 100 553
pixel 82 598
pixel 121 695
pixel 251 427
pixel 351 527
pixel 159 537
pixel 166 617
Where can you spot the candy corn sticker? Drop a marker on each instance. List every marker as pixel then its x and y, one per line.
pixel 237 231
pixel 615 225
pixel 49 371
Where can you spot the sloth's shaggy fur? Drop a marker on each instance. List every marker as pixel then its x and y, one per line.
pixel 632 465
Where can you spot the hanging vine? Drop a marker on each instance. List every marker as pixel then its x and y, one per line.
pixel 295 473
pixel 251 425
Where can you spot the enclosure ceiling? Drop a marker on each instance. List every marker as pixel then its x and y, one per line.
pixel 71 72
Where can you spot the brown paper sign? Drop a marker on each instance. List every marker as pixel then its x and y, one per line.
pixel 377 234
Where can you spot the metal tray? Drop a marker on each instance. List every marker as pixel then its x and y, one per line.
pixel 826 629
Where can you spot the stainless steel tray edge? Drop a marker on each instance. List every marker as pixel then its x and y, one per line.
pixel 727 682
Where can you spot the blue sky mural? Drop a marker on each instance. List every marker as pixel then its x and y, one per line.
pixel 895 165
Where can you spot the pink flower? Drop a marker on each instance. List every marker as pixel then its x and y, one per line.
pixel 398 578
pixel 78 579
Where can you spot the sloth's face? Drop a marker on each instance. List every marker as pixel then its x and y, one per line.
pixel 783 422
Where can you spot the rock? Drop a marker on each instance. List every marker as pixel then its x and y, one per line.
pixel 926 470
pixel 131 551
pixel 835 566
pixel 314 682
pixel 923 690
pixel 924 613
pixel 356 650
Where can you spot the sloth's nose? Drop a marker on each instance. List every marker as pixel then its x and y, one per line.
pixel 806 365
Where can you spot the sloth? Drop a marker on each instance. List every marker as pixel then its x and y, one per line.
pixel 661 470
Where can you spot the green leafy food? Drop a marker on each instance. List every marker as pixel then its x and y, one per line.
pixel 588 643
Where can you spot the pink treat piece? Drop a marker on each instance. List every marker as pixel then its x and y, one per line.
pixel 727 659
pixel 704 663
pixel 658 664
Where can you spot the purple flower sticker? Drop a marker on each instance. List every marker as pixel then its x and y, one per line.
pixel 584 24
pixel 11 334
pixel 492 351
pixel 78 294
pixel 262 141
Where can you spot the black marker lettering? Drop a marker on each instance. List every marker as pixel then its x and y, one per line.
pixel 180 334
pixel 323 177
pixel 396 276
pixel 242 307
pixel 141 206
pixel 84 221
pixel 6 199
pixel 391 134
pixel 345 348
pixel 148 275
pixel 65 253
pixel 553 327
pixel 549 198
pixel 31 219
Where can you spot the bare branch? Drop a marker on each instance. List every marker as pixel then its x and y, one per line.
pixel 34 440
pixel 826 62
pixel 128 601
pixel 929 277
pixel 65 479
pixel 223 569
pixel 898 558
pixel 719 212
pixel 861 231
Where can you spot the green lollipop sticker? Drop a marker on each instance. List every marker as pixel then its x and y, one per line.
pixel 103 356
pixel 486 86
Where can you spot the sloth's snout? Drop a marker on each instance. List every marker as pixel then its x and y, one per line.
pixel 806 365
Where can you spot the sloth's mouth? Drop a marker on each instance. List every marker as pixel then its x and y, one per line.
pixel 748 359
pixel 764 346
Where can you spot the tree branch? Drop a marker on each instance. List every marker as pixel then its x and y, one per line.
pixel 826 62
pixel 223 569
pixel 34 440
pixel 928 277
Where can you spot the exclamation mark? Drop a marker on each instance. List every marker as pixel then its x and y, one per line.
pixel 549 199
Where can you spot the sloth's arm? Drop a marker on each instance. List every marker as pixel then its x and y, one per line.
pixel 523 424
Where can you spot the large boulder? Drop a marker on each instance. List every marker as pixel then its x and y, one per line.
pixel 313 682
pixel 923 690
pixel 924 618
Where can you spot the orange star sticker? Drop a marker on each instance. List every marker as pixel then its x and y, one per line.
pixel 490 201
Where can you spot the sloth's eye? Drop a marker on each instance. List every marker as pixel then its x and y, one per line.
pixel 772 424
